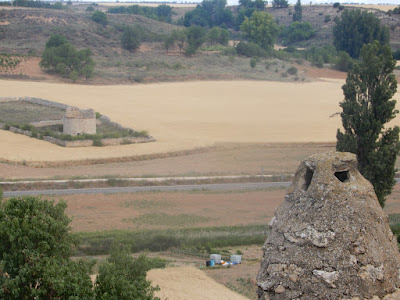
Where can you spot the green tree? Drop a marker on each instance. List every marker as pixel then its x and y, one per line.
pixel 261 29
pixel 218 35
pixel 130 39
pixel 297 31
pixel 180 37
pixel 196 36
pixel 99 17
pixel 367 107
pixel 62 58
pixel 298 12
pixel 123 278
pixel 356 28
pixel 280 3
pixel 344 62
pixel 35 250
pixel 209 13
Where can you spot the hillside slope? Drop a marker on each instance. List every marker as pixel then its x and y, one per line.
pixel 27 30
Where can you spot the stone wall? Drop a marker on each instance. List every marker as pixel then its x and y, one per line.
pixel 35 101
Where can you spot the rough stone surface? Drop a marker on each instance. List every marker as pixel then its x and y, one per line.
pixel 330 238
pixel 77 121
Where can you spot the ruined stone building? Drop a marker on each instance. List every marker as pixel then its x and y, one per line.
pixel 330 239
pixel 77 121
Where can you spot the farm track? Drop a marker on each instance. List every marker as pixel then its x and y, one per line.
pixel 137 189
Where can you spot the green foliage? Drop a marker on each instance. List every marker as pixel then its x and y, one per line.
pixel 56 40
pixel 319 56
pixel 180 38
pixel 131 39
pixel 394 11
pixel 123 278
pixel 34 252
pixel 261 29
pixel 292 71
pixel 90 8
pixel 327 18
pixel 218 35
pixel 280 3
pixel 162 13
pixel 97 243
pixel 37 4
pixel 298 12
pixel 99 17
pixel 336 4
pixel 356 28
pixel 253 62
pixel 196 36
pixel 396 55
pixel 250 50
pixel 63 59
pixel 257 4
pixel 344 62
pixel 297 31
pixel 367 108
pixel 209 13
pixel 8 62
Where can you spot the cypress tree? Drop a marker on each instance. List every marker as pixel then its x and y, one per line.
pixel 367 108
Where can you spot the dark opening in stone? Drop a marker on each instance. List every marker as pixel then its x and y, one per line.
pixel 343 176
pixel 307 178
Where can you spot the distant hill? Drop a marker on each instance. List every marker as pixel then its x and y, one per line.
pixel 27 30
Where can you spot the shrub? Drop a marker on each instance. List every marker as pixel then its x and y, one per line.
pixel 292 70
pixel 99 17
pixel 327 18
pixel 297 31
pixel 253 62
pixel 250 50
pixel 131 39
pixel 396 54
pixel 344 62
pixel 90 8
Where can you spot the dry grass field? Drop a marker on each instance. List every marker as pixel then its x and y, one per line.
pixel 188 115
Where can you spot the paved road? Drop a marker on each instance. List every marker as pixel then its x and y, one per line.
pixel 135 189
pixel 160 188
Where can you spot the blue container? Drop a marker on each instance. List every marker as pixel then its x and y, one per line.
pixel 212 263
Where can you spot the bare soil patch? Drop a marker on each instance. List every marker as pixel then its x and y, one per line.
pixel 138 211
pixel 30 68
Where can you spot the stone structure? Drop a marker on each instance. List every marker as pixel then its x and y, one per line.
pixel 330 239
pixel 78 121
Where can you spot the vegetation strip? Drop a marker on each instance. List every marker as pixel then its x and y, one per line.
pixel 198 240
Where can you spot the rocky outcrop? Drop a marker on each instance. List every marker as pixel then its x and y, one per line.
pixel 330 238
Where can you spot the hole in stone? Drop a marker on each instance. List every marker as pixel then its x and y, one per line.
pixel 343 176
pixel 307 178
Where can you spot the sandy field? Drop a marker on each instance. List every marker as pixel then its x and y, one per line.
pixel 187 115
pixel 189 283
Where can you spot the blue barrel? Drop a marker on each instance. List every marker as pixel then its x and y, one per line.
pixel 212 263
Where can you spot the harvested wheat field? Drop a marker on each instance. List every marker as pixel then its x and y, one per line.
pixel 187 115
pixel 189 283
